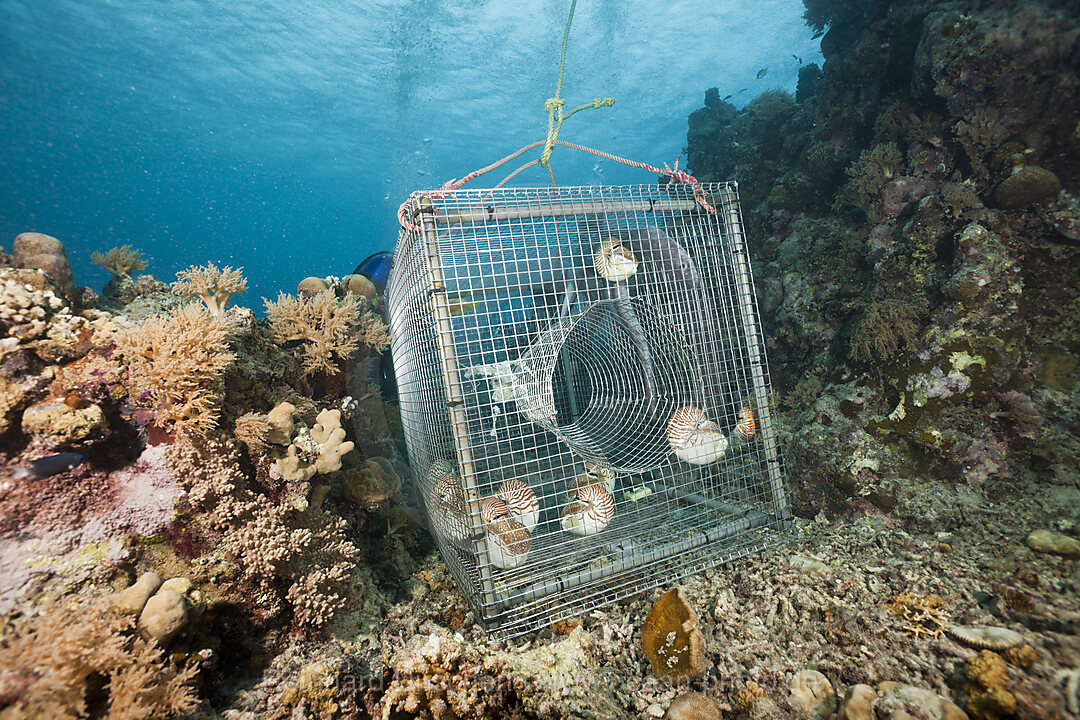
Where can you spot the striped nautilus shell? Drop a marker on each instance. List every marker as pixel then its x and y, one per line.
pixel 521 502
pixel 597 472
pixel 508 543
pixel 590 513
pixel 491 509
pixel 747 425
pixel 450 514
pixel 694 438
pixel 613 261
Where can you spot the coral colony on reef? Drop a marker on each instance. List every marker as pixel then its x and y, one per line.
pixel 207 514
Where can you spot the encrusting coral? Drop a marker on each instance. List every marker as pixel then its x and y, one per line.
pixel 176 364
pixel 329 327
pixel 371 483
pixel 120 261
pixel 211 284
pixel 988 695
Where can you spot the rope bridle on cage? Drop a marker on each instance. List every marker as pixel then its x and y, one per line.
pixel 554 108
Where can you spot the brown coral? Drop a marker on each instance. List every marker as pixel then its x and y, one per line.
pixel 885 327
pixel 277 547
pixel 370 484
pixel 327 326
pixel 923 616
pixel 987 695
pixel 120 261
pixel 50 665
pixel 251 429
pixel 748 694
pixel 45 253
pixel 869 173
pixel 671 638
pixel 176 365
pixel 210 284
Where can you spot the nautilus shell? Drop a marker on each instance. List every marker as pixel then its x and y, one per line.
pixel 597 472
pixel 613 261
pixel 449 511
pixel 694 438
pixel 746 428
pixel 491 509
pixel 508 543
pixel 521 502
pixel 590 513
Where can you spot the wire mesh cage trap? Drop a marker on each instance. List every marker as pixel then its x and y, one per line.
pixel 584 392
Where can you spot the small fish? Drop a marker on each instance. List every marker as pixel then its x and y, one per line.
pixel 762 73
pixel 797 59
pixel 462 305
pixel 741 91
pixel 46 466
pixel 728 97
pixel 817 34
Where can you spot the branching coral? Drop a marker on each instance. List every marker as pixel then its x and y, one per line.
pixel 304 554
pixel 120 261
pixel 886 326
pixel 210 284
pixel 923 616
pixel 328 326
pixel 53 665
pixel 317 451
pixel 176 364
pixel 869 173
pixel 251 430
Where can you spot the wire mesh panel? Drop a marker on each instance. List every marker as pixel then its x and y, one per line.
pixel 584 392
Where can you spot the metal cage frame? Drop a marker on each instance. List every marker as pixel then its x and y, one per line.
pixel 499 313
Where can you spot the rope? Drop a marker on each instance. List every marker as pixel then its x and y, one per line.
pixel 451 186
pixel 554 106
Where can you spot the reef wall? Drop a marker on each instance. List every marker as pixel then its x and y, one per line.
pixel 914 224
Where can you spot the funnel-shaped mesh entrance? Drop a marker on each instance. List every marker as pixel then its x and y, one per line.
pixel 606 380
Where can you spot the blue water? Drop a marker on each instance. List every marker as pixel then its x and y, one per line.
pixel 282 136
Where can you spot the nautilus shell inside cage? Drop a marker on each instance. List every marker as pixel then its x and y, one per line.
pixel 584 392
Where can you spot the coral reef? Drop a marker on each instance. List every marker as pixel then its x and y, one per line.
pixel 211 284
pixel 54 664
pixel 176 365
pixel 328 327
pixel 44 253
pixel 120 261
pixel 912 217
pixel 918 325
